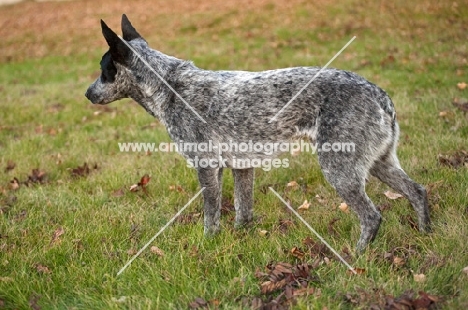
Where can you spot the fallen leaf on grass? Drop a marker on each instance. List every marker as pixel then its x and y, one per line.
pixel 420 277
pixel 176 188
pixel 42 269
pixel 392 195
pixel 189 218
pixel 132 251
pixel 408 219
pixel 144 180
pixel 292 185
pixel 305 206
pixel 56 236
pixel 357 271
pixel 462 85
pixel 141 185
pixel 157 251
pixel 291 282
pixel 14 184
pixel 198 303
pixel 33 302
pixel 455 160
pixel 37 176
pixel 407 301
pixel 298 253
pixel 465 270
pixel 83 171
pixel 263 232
pixel 461 103
pixel 344 207
pixel 306 291
pixel 10 166
pixel 284 224
pixel 316 249
pixel 321 200
pixel 398 261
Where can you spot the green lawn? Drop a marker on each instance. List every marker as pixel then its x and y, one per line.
pixel 64 237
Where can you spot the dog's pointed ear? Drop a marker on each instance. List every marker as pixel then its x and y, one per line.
pixel 128 31
pixel 118 50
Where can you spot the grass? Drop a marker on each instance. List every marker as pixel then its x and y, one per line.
pixel 416 52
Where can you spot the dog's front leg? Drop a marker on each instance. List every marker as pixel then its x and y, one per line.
pixel 243 195
pixel 211 179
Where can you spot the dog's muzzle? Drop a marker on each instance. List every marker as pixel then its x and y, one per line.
pixel 91 97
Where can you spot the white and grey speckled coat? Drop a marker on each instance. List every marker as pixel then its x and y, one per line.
pixel 339 106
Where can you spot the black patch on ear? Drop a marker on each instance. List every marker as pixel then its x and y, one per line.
pixel 108 69
pixel 128 31
pixel 119 51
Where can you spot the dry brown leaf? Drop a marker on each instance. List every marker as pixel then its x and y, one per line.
pixel 462 85
pixel 198 303
pixel 10 166
pixel 293 184
pixel 398 261
pixel 33 302
pixel 141 185
pixel 176 188
pixel 465 270
pixel 56 236
pixel 37 176
pixel 263 232
pixel 392 195
pixel 157 251
pixel 455 160
pixel 42 269
pixel 461 103
pixel 321 200
pixel 305 291
pixel 305 206
pixel 443 113
pixel 132 251
pixel 14 184
pixel 344 207
pixel 298 253
pixel 419 277
pixel 358 271
pixel 144 180
pixel 82 171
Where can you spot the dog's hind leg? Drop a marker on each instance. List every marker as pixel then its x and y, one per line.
pixel 348 178
pixel 388 170
pixel 211 179
pixel 243 195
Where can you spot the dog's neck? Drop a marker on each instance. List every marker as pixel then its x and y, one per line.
pixel 158 91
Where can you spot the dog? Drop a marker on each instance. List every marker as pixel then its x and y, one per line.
pixel 197 106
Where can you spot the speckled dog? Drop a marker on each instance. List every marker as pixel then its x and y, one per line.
pixel 339 106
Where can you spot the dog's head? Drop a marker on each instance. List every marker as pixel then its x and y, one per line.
pixel 116 80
